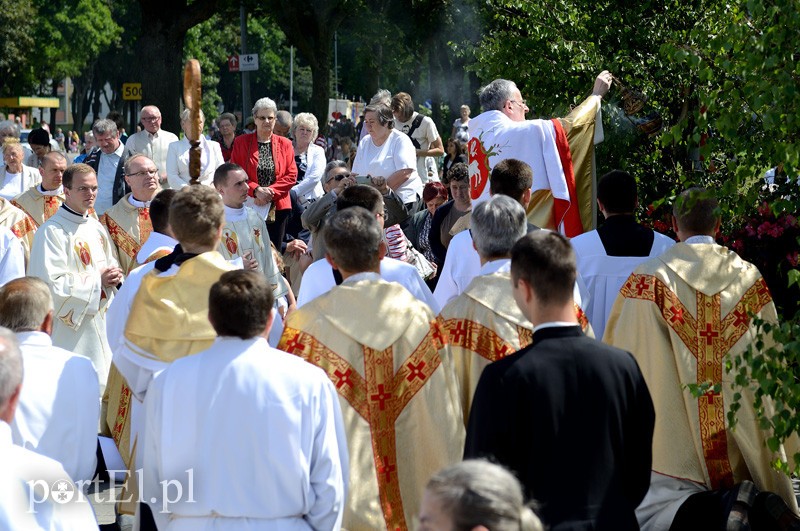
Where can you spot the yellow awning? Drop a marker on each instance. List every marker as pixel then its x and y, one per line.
pixel 23 102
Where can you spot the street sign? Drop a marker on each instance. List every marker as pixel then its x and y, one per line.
pixel 248 62
pixel 233 63
pixel 132 91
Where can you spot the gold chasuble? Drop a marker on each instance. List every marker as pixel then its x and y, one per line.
pixel 682 315
pixel 38 205
pixel 387 355
pixel 579 126
pixel 19 223
pixel 129 226
pixel 484 324
pixel 169 316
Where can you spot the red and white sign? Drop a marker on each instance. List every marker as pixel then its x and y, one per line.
pixel 233 63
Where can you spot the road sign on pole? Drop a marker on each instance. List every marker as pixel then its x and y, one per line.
pixel 131 91
pixel 233 63
pixel 248 62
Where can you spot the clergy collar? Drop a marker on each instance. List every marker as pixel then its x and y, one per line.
pixel 177 257
pixel 366 275
pixel 700 238
pixel 138 204
pixel 57 191
pixel 553 324
pixel 75 213
pixel 235 214
pixel 620 219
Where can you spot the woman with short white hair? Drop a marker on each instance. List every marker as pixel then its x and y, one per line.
pixel 15 177
pixel 309 158
pixel 178 155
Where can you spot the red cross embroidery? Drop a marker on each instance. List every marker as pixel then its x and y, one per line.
pixel 763 289
pixel 710 396
pixel 677 315
pixel 386 468
pixel 293 345
pixel 343 378
pixel 416 371
pixel 439 336
pixel 381 397
pixel 642 286
pixel 460 333
pixel 741 317
pixel 709 334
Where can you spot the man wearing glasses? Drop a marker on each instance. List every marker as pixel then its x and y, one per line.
pixel 560 151
pixel 72 253
pixel 128 221
pixel 152 141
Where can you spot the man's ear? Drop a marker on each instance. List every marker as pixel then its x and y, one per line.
pixel 382 249
pixel 331 261
pixel 47 324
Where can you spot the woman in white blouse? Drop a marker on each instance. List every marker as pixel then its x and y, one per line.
pixel 309 157
pixel 178 156
pixel 388 153
pixel 15 176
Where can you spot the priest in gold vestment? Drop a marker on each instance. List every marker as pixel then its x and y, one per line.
pixel 128 221
pixel 19 223
pixel 682 315
pixel 387 355
pixel 42 201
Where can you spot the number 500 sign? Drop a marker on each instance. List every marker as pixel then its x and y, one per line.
pixel 131 91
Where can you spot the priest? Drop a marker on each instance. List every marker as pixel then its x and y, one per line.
pixel 19 223
pixel 387 355
pixel 128 221
pixel 72 253
pixel 43 200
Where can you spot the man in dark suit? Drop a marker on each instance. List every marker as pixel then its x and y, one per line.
pixel 571 416
pixel 108 161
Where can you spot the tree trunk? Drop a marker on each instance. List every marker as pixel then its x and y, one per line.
pixel 320 89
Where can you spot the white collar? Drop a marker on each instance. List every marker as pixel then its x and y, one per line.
pixel 502 265
pixel 137 203
pixel 35 337
pixel 366 275
pixel 57 191
pixel 235 214
pixel 700 238
pixel 118 151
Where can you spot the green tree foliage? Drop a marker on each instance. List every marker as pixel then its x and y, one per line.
pixel 16 43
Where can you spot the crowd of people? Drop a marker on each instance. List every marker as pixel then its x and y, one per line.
pixel 290 340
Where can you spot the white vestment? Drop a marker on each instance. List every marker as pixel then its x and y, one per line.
pixel 28 477
pixel 69 253
pixel 318 279
pixel 58 408
pixel 604 275
pixel 12 256
pixel 259 430
pixel 154 243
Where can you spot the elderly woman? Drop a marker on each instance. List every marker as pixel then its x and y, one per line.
pixel 388 154
pixel 178 155
pixel 475 495
pixel 16 177
pixel 461 126
pixel 269 162
pixel 226 135
pixel 309 158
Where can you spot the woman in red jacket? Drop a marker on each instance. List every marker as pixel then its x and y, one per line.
pixel 269 162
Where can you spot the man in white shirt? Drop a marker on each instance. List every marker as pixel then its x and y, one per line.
pixel 108 162
pixel 30 483
pixel 422 132
pixel 320 277
pixel 152 141
pixel 242 413
pixel 58 408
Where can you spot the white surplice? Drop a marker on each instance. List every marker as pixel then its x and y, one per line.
pixel 58 408
pixel 26 474
pixel 318 279
pixel 260 433
pixel 12 256
pixel 604 275
pixel 69 253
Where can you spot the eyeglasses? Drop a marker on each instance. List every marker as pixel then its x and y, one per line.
pixel 150 118
pixel 143 173
pixel 84 189
pixel 341 176
pixel 520 102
